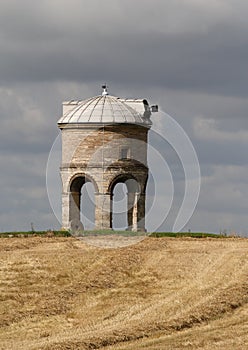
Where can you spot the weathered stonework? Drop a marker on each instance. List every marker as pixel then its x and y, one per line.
pixel 104 154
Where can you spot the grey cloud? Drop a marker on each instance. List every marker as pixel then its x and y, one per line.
pixel 214 153
pixel 195 62
pixel 190 57
pixel 211 59
pixel 23 193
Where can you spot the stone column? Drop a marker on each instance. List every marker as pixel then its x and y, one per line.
pixel 131 203
pixel 136 211
pixel 75 205
pixel 75 223
pixel 71 211
pixel 139 214
pixel 103 211
pixel 65 211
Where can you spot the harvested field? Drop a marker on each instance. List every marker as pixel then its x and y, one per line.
pixel 58 293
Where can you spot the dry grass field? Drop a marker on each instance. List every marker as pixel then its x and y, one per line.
pixel 58 293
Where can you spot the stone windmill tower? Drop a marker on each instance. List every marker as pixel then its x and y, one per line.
pixel 104 141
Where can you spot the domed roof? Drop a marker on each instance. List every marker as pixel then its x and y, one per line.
pixel 105 109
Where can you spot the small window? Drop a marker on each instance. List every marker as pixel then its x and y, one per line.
pixel 125 153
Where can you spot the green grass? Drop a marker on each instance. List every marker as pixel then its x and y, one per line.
pixel 186 234
pixel 35 233
pixel 65 233
pixel 154 234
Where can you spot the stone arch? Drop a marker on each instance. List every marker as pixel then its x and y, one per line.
pixel 128 169
pixel 135 209
pixel 88 178
pixel 121 177
pixel 76 184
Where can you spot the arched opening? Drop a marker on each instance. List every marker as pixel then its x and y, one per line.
pixel 125 192
pixel 87 206
pixel 82 203
pixel 119 207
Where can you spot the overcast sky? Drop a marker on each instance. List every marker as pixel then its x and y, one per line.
pixel 189 56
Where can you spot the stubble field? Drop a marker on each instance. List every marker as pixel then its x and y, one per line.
pixel 162 293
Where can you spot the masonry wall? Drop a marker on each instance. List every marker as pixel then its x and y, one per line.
pixel 84 145
pixel 96 153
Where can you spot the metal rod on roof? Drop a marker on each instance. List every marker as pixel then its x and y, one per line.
pixel 105 90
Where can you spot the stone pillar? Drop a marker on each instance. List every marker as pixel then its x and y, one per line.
pixel 74 214
pixel 131 201
pixel 140 212
pixel 71 211
pixel 103 211
pixel 136 211
pixel 65 211
pixel 75 205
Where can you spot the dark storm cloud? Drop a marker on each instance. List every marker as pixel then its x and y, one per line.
pixel 197 62
pixel 37 47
